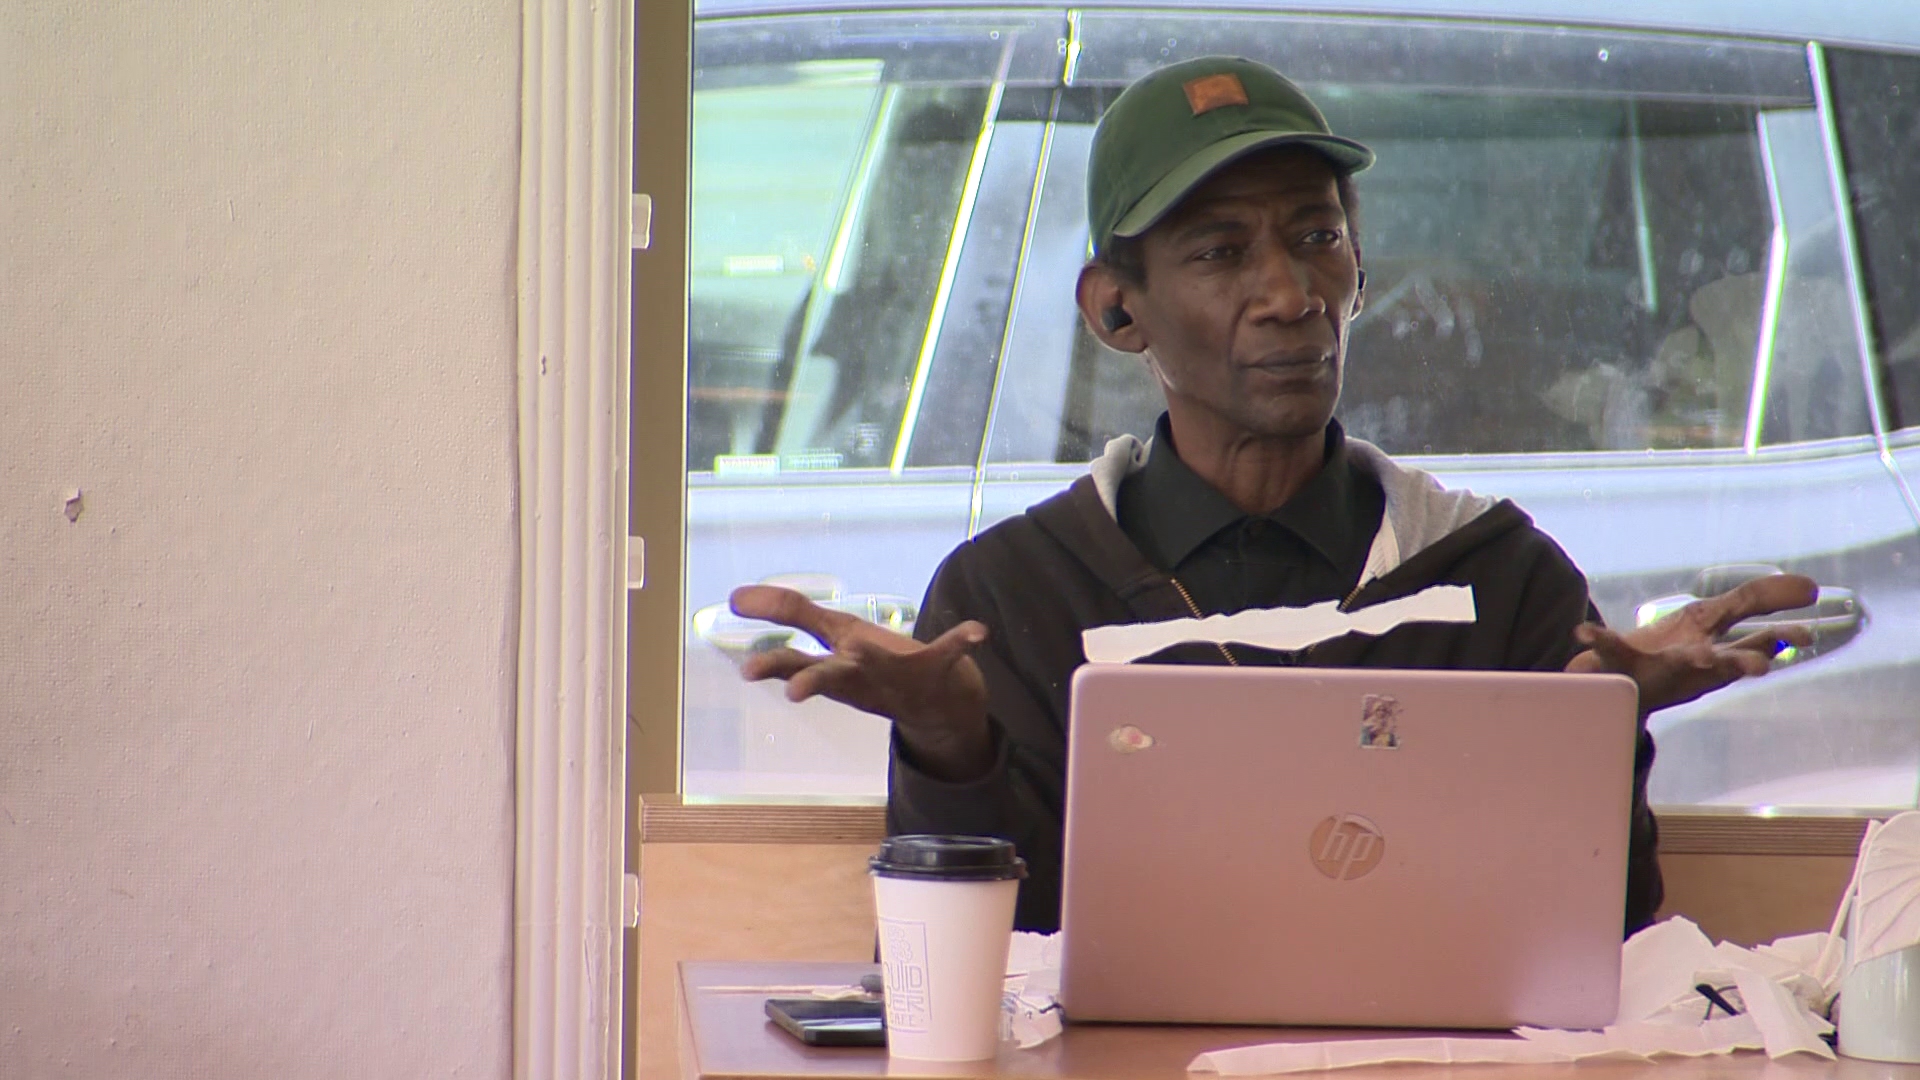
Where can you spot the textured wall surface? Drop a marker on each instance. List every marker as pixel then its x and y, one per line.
pixel 256 682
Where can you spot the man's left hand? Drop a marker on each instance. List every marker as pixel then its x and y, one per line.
pixel 1681 656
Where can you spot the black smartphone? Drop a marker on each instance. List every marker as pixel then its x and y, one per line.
pixel 831 1023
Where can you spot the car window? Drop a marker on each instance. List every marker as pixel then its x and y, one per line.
pixel 1796 319
pixel 834 164
pixel 947 414
pixel 755 247
pixel 823 206
pixel 860 183
pixel 1570 240
pixel 1876 101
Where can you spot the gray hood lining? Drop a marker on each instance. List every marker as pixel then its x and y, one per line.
pixel 1420 512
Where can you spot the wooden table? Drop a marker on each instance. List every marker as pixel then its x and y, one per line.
pixel 725 1035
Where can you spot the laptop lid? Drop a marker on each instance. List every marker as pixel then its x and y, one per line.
pixel 1336 847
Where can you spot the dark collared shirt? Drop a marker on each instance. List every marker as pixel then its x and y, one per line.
pixel 1311 550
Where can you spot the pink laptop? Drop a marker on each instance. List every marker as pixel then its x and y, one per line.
pixel 1424 849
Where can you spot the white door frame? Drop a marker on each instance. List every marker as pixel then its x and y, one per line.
pixel 576 168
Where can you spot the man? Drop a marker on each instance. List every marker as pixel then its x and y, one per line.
pixel 1225 255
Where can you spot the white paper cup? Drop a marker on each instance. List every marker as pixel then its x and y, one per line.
pixel 1878 1013
pixel 945 907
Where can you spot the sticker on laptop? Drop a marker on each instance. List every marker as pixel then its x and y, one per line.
pixel 1379 722
pixel 1128 739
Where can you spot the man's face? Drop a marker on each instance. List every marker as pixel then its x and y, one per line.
pixel 1249 288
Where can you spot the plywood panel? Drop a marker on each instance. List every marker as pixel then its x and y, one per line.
pixel 1750 834
pixel 1748 899
pixel 733 901
pixel 665 819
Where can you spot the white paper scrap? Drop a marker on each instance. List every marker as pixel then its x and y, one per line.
pixel 1658 966
pixel 1031 1021
pixel 1033 985
pixel 1641 1042
pixel 1786 1027
pixel 1537 1046
pixel 1281 628
pixel 1662 1013
pixel 1037 957
pixel 1273 1058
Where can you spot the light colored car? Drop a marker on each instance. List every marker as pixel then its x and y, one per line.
pixel 1658 283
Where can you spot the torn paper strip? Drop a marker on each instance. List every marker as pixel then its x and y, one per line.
pixel 1537 1046
pixel 1644 1042
pixel 1274 1058
pixel 1278 628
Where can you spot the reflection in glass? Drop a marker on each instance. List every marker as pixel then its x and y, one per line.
pixel 823 202
pixel 834 160
pixel 1876 99
pixel 1606 281
pixel 1558 275
pixel 756 246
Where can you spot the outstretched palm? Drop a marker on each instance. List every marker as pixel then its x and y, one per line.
pixel 933 692
pixel 1682 656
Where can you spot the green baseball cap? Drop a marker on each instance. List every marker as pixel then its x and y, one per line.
pixel 1174 127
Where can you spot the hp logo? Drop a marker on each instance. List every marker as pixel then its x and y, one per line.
pixel 1346 846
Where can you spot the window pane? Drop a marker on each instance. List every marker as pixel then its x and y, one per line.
pixel 1119 47
pixel 1616 315
pixel 1876 99
pixel 864 328
pixel 1542 276
pixel 855 223
pixel 755 246
pixel 823 206
pixel 1583 266
pixel 1808 339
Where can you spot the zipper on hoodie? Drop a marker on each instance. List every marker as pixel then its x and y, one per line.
pixel 1343 607
pixel 1232 660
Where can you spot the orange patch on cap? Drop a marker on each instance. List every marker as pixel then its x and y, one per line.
pixel 1210 92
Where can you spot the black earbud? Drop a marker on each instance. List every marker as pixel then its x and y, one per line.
pixel 1115 317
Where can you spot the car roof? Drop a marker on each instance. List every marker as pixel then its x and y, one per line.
pixel 1874 23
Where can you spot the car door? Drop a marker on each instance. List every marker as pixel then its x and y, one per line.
pixel 1605 279
pixel 858 203
pixel 1841 728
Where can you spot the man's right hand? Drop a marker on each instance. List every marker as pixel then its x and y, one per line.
pixel 934 693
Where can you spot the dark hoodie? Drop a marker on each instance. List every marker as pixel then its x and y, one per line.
pixel 1038 580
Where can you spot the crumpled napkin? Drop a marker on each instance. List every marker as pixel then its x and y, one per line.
pixel 1662 1013
pixel 1031 1011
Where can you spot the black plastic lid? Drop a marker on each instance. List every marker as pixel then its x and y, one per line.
pixel 948 858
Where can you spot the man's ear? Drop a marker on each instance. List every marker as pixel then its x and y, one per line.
pixel 1102 297
pixel 1359 294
